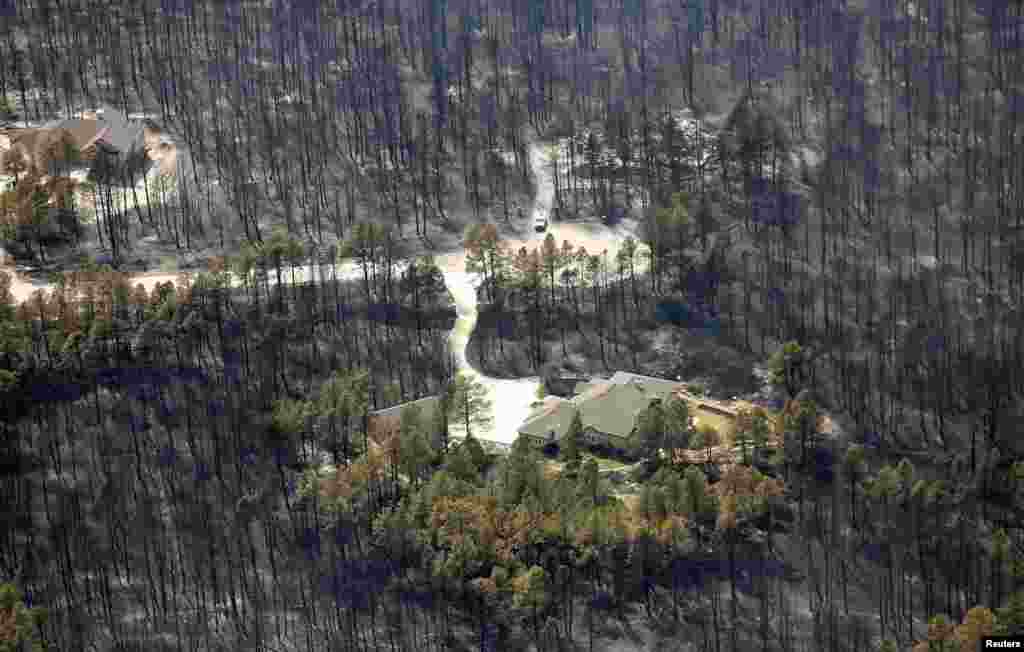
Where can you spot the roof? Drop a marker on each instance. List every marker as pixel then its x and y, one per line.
pixel 614 411
pixel 26 137
pixel 557 417
pixel 544 406
pixel 591 391
pixel 663 386
pixel 607 406
pixel 82 132
pixel 110 125
pixel 384 422
pixel 425 403
pixel 120 133
pixel 582 386
pixel 611 410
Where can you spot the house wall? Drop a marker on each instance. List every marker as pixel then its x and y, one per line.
pixel 592 435
pixel 539 442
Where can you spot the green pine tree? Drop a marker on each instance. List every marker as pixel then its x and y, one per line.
pixel 570 448
pixel 6 110
pixel 19 624
pixel 470 403
pixel 789 368
pixel 520 472
pixel 439 428
pixel 531 594
pixel 476 452
pixel 417 454
pixel 589 482
pixel 677 423
pixel 650 433
pixel 752 429
pixel 459 463
pixel 1010 617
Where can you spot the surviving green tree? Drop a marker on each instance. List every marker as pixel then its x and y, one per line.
pixel 470 403
pixel 789 368
pixel 569 450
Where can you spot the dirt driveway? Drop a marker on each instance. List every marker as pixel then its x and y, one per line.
pixel 512 399
pixel 594 236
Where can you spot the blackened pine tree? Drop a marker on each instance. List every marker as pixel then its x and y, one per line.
pixel 437 26
pixel 694 35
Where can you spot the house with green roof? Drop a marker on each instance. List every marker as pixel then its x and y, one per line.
pixel 608 409
pixel 387 421
pixel 550 424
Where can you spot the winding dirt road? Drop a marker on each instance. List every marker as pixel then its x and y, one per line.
pixel 511 399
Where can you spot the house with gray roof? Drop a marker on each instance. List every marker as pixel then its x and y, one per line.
pixel 106 133
pixel 120 134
